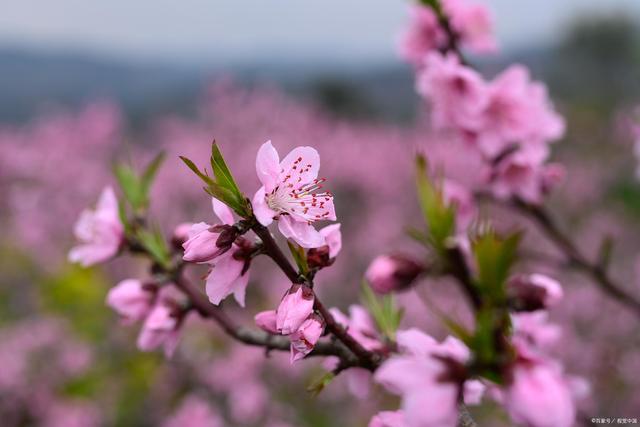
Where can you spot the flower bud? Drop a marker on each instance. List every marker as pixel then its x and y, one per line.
pixel 533 292
pixel 181 234
pixel 305 338
pixel 131 299
pixel 201 245
pixel 294 309
pixel 266 320
pixel 389 273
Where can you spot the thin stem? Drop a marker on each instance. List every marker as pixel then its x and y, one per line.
pixel 367 358
pixel 575 258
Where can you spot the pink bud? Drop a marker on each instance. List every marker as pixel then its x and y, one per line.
pixel 294 309
pixel 389 273
pixel 534 292
pixel 305 338
pixel 201 245
pixel 181 234
pixel 130 299
pixel 266 320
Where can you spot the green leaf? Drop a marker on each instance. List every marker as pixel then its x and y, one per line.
pixel 150 173
pixel 439 216
pixel 299 256
pixel 130 185
pixel 206 178
pixel 222 186
pixel 154 243
pixel 221 170
pixel 384 311
pixel 494 257
pixel 316 387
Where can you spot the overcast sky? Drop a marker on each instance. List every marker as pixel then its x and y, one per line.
pixel 245 30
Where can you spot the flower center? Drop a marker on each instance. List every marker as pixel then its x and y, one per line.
pixel 306 202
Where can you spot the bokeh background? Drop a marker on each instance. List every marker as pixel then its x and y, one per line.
pixel 86 84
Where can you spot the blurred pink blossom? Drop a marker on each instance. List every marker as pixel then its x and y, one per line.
pixel 99 232
pixel 131 299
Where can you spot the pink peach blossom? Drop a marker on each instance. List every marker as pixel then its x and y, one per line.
pixel 539 396
pixel 457 94
pixel 419 375
pixel 423 35
pixel 290 193
pixel 229 273
pixel 131 299
pixel 99 232
pixel 473 24
pixel 360 325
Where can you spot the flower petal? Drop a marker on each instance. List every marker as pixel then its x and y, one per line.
pixel 222 211
pixel 301 232
pixel 268 166
pixel 301 166
pixel 221 280
pixel 263 213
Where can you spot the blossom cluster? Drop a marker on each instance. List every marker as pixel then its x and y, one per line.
pixel 509 120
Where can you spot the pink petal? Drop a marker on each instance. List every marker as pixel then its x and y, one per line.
pixel 268 166
pixel 221 282
pixel 415 342
pixel 333 238
pixel 302 165
pixel 263 213
pixel 222 211
pixel 301 232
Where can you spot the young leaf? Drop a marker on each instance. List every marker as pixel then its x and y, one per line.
pixel 299 256
pixel 439 216
pixel 494 257
pixel 316 387
pixel 384 311
pixel 130 185
pixel 154 242
pixel 150 173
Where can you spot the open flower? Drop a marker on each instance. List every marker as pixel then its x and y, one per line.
pixel 360 325
pixel 162 326
pixel 540 395
pixel 473 24
pixel 218 246
pixel 292 193
pixel 131 299
pixel 99 231
pixel 458 94
pixel 429 376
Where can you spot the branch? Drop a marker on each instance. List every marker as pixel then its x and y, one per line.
pixel 542 218
pixel 252 336
pixel 368 359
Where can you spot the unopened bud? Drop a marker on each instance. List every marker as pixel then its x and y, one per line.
pixel 388 273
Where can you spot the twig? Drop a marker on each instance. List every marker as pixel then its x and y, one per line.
pixel 575 258
pixel 368 359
